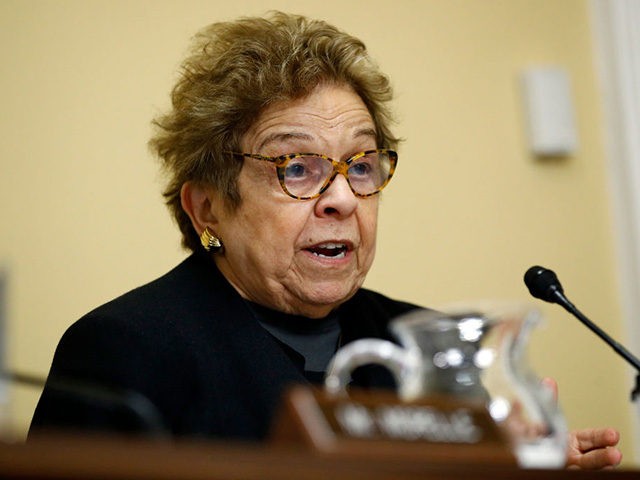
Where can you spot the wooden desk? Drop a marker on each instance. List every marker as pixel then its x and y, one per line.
pixel 85 457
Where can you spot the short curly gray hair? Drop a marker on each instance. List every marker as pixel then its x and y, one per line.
pixel 233 72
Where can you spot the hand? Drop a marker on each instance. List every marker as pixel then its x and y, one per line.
pixel 590 448
pixel 593 448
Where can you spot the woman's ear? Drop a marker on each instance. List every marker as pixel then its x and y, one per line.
pixel 198 202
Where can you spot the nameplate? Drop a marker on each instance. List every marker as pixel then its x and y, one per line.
pixel 379 423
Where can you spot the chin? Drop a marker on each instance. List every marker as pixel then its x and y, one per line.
pixel 323 300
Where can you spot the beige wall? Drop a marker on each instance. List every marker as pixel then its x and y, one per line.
pixel 469 210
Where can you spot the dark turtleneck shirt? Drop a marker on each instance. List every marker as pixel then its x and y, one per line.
pixel 309 342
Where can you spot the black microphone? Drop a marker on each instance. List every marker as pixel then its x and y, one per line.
pixel 544 284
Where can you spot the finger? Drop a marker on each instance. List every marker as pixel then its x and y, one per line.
pixel 552 385
pixel 595 459
pixel 594 438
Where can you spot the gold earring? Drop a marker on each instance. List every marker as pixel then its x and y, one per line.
pixel 210 242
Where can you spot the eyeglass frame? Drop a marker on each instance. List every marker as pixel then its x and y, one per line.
pixel 339 166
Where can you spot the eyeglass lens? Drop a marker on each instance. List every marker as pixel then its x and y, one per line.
pixel 307 175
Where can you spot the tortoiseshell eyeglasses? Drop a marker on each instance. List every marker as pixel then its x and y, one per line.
pixel 306 175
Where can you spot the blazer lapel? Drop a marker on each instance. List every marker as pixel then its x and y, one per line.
pixel 259 362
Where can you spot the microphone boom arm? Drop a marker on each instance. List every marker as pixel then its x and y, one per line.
pixel 544 284
pixel 623 352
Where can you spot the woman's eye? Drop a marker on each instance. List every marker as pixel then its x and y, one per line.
pixel 295 170
pixel 360 169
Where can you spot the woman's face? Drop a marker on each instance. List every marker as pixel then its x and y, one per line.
pixel 300 256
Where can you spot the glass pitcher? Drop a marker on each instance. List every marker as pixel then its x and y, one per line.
pixel 475 353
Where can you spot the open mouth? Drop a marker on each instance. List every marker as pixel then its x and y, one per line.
pixel 329 250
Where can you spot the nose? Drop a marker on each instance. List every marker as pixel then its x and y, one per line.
pixel 338 200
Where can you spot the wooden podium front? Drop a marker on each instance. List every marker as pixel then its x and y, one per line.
pixel 308 443
pixel 78 457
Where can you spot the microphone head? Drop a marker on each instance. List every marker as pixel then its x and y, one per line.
pixel 543 284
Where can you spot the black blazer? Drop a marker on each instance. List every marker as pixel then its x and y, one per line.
pixel 189 344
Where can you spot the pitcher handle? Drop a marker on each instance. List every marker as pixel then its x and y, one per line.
pixel 404 364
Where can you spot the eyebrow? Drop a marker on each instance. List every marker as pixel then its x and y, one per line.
pixel 276 137
pixel 366 132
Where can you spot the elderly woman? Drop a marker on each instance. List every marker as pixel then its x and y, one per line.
pixel 276 148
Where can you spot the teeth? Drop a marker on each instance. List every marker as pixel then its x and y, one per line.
pixel 330 250
pixel 332 245
pixel 339 255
